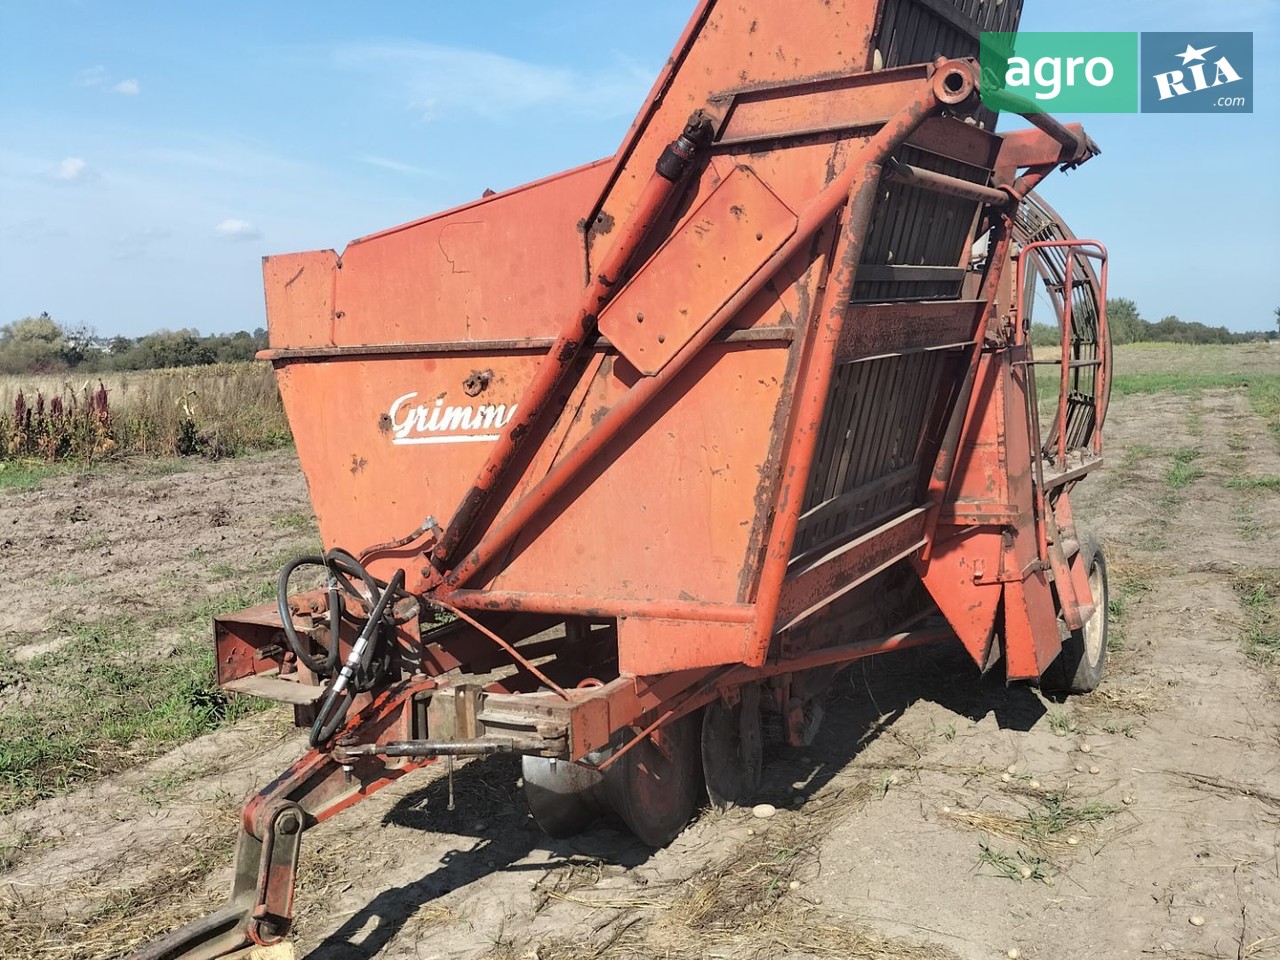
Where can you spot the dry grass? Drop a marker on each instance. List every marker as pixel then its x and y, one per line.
pixel 1046 825
pixel 1131 698
pixel 217 410
pixel 791 928
pixel 97 919
pixel 742 906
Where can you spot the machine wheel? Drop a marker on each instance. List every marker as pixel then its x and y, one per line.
pixel 656 787
pixel 563 797
pixel 733 749
pixel 1079 667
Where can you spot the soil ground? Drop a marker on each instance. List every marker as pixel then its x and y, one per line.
pixel 938 815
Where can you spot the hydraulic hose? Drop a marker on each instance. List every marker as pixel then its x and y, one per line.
pixel 341 570
pixel 337 701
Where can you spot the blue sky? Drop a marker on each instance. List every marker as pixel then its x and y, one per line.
pixel 151 153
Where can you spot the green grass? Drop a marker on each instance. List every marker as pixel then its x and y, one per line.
pixel 1259 593
pixel 1060 722
pixel 1117 606
pixel 1122 728
pixel 1200 368
pixel 1057 814
pixel 1183 382
pixel 107 701
pixel 1264 396
pixel 1266 481
pixel 1134 455
pixel 21 475
pixel 301 520
pixel 1183 470
pixel 1019 867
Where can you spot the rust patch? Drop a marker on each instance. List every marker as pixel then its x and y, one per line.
pixel 289 283
pixel 357 464
pixel 477 382
pixel 603 224
pixel 384 423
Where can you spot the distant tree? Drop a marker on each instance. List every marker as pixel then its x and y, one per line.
pixel 1278 320
pixel 1045 335
pixel 168 348
pixel 42 345
pixel 1124 321
pixel 33 345
pixel 79 344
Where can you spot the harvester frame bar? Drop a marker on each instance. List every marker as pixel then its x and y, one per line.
pixel 854 188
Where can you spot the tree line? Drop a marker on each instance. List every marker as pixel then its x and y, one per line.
pixel 1127 326
pixel 43 345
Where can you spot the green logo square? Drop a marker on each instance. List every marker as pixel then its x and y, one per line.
pixel 1060 72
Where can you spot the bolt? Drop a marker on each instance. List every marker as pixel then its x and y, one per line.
pixel 288 823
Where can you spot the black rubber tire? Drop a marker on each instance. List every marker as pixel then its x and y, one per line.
pixel 656 790
pixel 732 750
pixel 1083 660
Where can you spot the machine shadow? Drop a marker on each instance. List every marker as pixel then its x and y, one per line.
pixel 868 699
pixel 495 832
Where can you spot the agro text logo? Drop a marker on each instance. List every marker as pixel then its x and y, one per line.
pixel 1062 72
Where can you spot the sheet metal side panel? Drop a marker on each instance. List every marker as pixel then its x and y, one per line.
pixel 667 514
pixel 736 46
pixel 507 268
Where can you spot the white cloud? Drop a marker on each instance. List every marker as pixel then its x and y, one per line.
pixel 129 88
pixel 237 230
pixel 439 79
pixel 33 229
pixel 135 244
pixel 72 170
pixel 92 77
pixel 397 166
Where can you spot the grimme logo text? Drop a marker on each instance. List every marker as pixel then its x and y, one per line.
pixel 436 423
pixel 1194 75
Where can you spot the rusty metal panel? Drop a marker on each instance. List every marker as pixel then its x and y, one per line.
pixel 299 290
pixel 810 588
pixel 665 512
pixel 647 647
pixel 741 223
pixel 247 643
pixel 834 104
pixel 471 273
pixel 889 328
pixel 867 462
pixel 386 441
pixel 729 47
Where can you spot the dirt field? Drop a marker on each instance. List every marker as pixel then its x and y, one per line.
pixel 939 815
